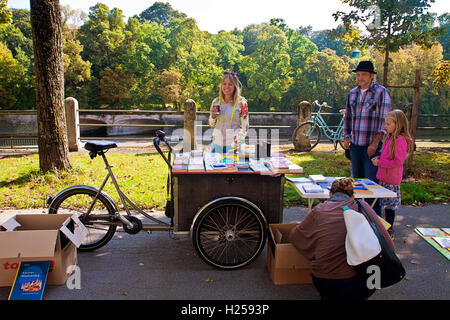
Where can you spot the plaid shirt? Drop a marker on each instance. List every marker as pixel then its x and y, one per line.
pixel 365 117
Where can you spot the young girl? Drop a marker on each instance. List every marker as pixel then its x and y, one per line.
pixel 396 147
pixel 228 115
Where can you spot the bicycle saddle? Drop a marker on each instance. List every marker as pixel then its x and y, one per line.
pixel 99 145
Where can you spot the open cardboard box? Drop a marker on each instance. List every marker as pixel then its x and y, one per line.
pixel 286 265
pixel 40 237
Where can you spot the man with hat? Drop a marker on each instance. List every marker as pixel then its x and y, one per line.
pixel 364 126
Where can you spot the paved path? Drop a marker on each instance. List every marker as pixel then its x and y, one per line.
pixel 158 267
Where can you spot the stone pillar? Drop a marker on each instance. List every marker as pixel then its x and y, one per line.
pixel 304 112
pixel 72 121
pixel 190 115
pixel 299 140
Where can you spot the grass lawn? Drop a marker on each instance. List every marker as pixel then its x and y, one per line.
pixel 142 176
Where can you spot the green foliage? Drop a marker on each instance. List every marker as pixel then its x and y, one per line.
pixel 160 58
pixel 5 14
pixel 442 74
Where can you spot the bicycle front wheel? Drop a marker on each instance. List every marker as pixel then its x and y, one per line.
pixel 98 217
pixel 307 134
pixel 229 233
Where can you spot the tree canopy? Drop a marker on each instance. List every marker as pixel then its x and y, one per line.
pixel 160 58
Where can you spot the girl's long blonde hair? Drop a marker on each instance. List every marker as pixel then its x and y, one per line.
pixel 401 128
pixel 237 86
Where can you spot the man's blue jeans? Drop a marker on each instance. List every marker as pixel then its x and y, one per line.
pixel 362 167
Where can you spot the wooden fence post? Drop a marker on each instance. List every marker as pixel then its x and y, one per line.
pixel 414 115
pixel 72 123
pixel 189 142
pixel 299 140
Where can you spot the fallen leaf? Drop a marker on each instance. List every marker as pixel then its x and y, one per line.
pixel 414 262
pixel 141 264
pixel 125 293
pixel 209 280
pixel 406 278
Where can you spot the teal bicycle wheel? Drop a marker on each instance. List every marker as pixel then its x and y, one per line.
pixel 306 135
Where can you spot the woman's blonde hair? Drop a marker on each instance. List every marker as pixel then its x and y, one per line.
pixel 401 128
pixel 344 185
pixel 232 76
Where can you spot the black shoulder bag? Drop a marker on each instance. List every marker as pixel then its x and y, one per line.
pixel 390 266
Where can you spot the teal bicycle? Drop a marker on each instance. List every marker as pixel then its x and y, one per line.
pixel 312 130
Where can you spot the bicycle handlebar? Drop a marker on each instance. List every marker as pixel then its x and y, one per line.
pixel 324 104
pixel 161 136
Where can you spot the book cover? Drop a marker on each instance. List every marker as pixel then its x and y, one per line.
pixel 196 168
pixel 359 188
pixel 294 169
pixel 430 232
pixel 444 242
pixel 434 233
pixel 258 166
pixel 312 188
pixel 242 165
pixel 368 183
pixel 317 177
pixel 300 180
pixel 182 156
pixel 179 168
pixel 446 230
pixel 29 283
pixel 324 184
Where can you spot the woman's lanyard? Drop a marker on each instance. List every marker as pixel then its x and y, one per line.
pixel 232 113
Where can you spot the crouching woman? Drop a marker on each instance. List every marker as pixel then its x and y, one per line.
pixel 321 239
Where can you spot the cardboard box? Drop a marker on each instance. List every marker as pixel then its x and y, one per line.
pixel 285 263
pixel 40 237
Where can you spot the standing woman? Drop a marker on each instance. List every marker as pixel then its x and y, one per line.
pixel 229 115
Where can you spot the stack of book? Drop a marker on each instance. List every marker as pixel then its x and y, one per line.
pixel 214 163
pixel 180 163
pixel 277 165
pixel 312 188
pixel 196 162
pixel 324 184
pixel 368 183
pixel 258 166
pixel 358 187
pixel 282 165
pixel 317 178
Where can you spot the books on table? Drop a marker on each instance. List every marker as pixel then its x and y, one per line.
pixel 214 163
pixel 300 180
pixel 258 165
pixel 283 165
pixel 179 168
pixel 324 184
pixel 312 188
pixel 368 183
pixel 317 178
pixel 196 164
pixel 360 188
pixel 181 162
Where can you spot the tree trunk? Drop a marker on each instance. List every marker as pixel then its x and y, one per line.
pixel 49 70
pixel 386 56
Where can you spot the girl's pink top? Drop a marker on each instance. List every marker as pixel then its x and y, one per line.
pixel 391 170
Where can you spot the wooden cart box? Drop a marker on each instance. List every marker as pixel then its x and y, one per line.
pixel 192 191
